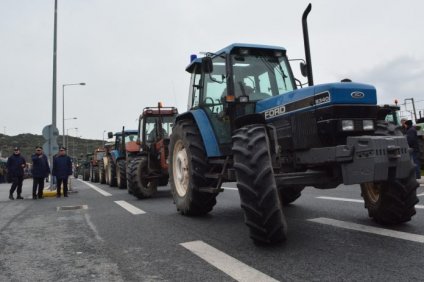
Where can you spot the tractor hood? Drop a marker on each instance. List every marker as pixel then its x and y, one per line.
pixel 317 96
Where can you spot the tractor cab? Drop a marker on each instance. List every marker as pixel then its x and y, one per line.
pixel 227 84
pixel 155 124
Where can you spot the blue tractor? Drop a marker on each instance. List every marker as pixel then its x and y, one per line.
pixel 249 120
pixel 115 160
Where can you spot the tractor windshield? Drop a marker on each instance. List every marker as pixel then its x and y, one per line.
pixel 152 130
pixel 130 138
pixel 260 77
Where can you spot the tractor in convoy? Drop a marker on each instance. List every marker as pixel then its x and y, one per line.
pixel 96 159
pixel 115 160
pixel 108 147
pixel 84 167
pixel 147 166
pixel 251 121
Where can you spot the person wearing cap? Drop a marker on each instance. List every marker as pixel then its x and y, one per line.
pixel 412 138
pixel 15 167
pixel 403 125
pixel 40 170
pixel 62 168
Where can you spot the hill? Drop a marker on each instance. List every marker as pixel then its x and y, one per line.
pixel 76 146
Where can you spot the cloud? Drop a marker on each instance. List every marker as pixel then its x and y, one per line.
pixel 399 78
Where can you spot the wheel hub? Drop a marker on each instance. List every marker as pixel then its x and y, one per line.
pixel 180 169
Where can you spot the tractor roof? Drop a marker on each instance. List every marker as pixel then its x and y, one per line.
pixel 230 48
pixel 163 111
pixel 126 132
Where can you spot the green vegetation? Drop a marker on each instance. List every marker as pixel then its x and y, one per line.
pixel 27 142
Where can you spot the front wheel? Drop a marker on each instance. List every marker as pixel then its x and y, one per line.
pixel 391 202
pixel 187 170
pixel 256 185
pixel 141 186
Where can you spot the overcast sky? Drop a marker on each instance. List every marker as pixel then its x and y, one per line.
pixel 133 53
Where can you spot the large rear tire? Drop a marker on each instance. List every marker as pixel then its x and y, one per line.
pixel 111 173
pixel 86 174
pixel 256 185
pixel 393 201
pixel 187 170
pixel 102 175
pixel 141 186
pixel 121 178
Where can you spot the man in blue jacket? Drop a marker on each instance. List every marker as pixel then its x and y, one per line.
pixel 15 169
pixel 62 168
pixel 40 170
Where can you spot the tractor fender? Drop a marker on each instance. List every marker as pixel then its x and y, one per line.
pixel 115 155
pixel 206 131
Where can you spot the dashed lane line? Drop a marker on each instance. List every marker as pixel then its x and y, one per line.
pixel 419 195
pixel 104 193
pixel 355 200
pixel 229 265
pixel 132 209
pixel 369 229
pixel 340 199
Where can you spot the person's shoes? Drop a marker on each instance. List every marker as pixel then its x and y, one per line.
pixel 41 197
pixel 19 197
pixel 11 197
pixel 58 196
pixel 66 195
pixel 34 197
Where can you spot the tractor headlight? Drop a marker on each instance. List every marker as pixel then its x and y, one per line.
pixel 244 99
pixel 368 124
pixel 347 125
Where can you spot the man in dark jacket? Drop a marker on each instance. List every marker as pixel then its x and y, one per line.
pixel 40 170
pixel 412 137
pixel 15 167
pixel 62 168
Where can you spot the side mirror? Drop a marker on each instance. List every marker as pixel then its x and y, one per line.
pixel 207 66
pixel 109 135
pixel 304 69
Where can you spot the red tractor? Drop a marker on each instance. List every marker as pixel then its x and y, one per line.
pixel 147 166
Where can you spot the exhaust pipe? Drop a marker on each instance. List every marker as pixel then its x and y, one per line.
pixel 306 44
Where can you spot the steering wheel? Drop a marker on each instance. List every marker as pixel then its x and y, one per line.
pixel 211 102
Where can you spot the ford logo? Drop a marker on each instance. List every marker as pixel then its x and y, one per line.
pixel 357 95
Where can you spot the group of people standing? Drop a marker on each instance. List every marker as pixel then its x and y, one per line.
pixel 62 168
pixel 412 137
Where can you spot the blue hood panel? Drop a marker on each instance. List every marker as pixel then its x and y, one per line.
pixel 317 96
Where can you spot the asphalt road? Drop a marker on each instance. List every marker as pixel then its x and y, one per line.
pixel 105 234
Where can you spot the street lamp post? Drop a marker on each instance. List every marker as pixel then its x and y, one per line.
pixel 63 107
pixel 66 139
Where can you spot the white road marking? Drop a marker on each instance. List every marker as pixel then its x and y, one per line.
pixel 229 188
pixel 355 200
pixel 104 193
pixel 419 195
pixel 370 229
pixel 340 199
pixel 132 209
pixel 229 265
pixel 93 227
